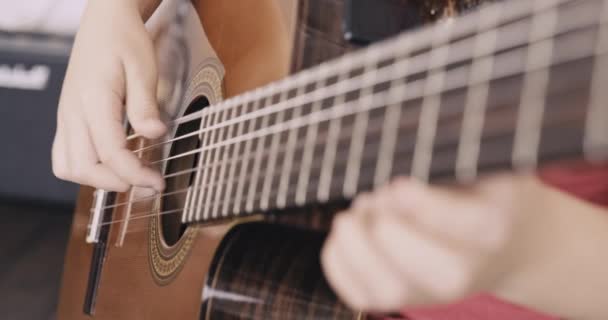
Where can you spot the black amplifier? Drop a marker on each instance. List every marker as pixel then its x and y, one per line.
pixel 32 67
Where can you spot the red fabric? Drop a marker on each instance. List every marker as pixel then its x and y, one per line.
pixel 588 182
pixel 476 308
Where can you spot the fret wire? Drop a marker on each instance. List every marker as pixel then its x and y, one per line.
pixel 187 207
pixel 273 157
pixel 477 95
pixel 288 161
pixel 216 135
pixel 389 137
pixel 247 150
pixel 187 214
pixel 596 130
pixel 232 171
pixel 331 146
pixel 291 141
pixel 311 137
pixel 429 113
pixel 224 160
pixel 358 137
pixel 535 84
pixel 257 161
pixel 205 121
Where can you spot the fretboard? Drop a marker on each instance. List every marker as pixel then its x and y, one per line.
pixel 510 86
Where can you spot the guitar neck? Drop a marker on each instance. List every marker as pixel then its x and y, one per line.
pixel 509 86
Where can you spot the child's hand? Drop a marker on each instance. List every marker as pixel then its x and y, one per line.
pixel 408 244
pixel 112 67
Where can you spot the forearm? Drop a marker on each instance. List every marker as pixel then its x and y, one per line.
pixel 565 269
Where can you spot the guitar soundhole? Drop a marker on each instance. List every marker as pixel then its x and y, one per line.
pixel 182 169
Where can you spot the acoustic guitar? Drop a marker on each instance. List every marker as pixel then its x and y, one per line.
pixel 272 132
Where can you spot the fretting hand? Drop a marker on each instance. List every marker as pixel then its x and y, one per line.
pixel 112 67
pixel 409 244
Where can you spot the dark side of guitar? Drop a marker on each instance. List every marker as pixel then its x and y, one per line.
pixel 251 174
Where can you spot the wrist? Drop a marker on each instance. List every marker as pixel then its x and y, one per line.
pixel 559 264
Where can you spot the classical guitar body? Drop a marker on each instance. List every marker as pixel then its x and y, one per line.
pixel 255 167
pixel 153 268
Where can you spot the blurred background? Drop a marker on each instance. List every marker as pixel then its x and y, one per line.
pixel 35 208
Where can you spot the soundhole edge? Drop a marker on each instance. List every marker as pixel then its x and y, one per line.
pixel 171 227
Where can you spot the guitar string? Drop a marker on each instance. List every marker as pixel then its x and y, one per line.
pixel 221 162
pixel 555 63
pixel 214 218
pixel 235 161
pixel 384 78
pixel 139 215
pixel 157 195
pixel 517 10
pixel 574 24
pixel 342 110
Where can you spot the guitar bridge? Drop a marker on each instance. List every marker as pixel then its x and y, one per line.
pixel 97 215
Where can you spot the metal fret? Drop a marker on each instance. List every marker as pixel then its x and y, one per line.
pixel 289 154
pixel 264 202
pixel 477 96
pixel 244 163
pixel 309 144
pixel 216 135
pixel 207 119
pixel 331 146
pixel 596 126
pixel 353 166
pixel 257 162
pixel 390 130
pixel 224 161
pixel 532 105
pixel 429 113
pixel 235 153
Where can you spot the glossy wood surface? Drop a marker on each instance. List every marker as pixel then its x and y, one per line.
pixel 254 52
pixel 270 271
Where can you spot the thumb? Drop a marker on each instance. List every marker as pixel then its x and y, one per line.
pixel 142 106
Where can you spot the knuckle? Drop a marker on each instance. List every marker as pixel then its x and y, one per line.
pixel 362 200
pixel 61 171
pixel 80 172
pixel 111 157
pixel 143 109
pixel 107 157
pixel 341 224
pixel 122 187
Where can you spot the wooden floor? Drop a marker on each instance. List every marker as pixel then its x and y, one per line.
pixel 32 245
